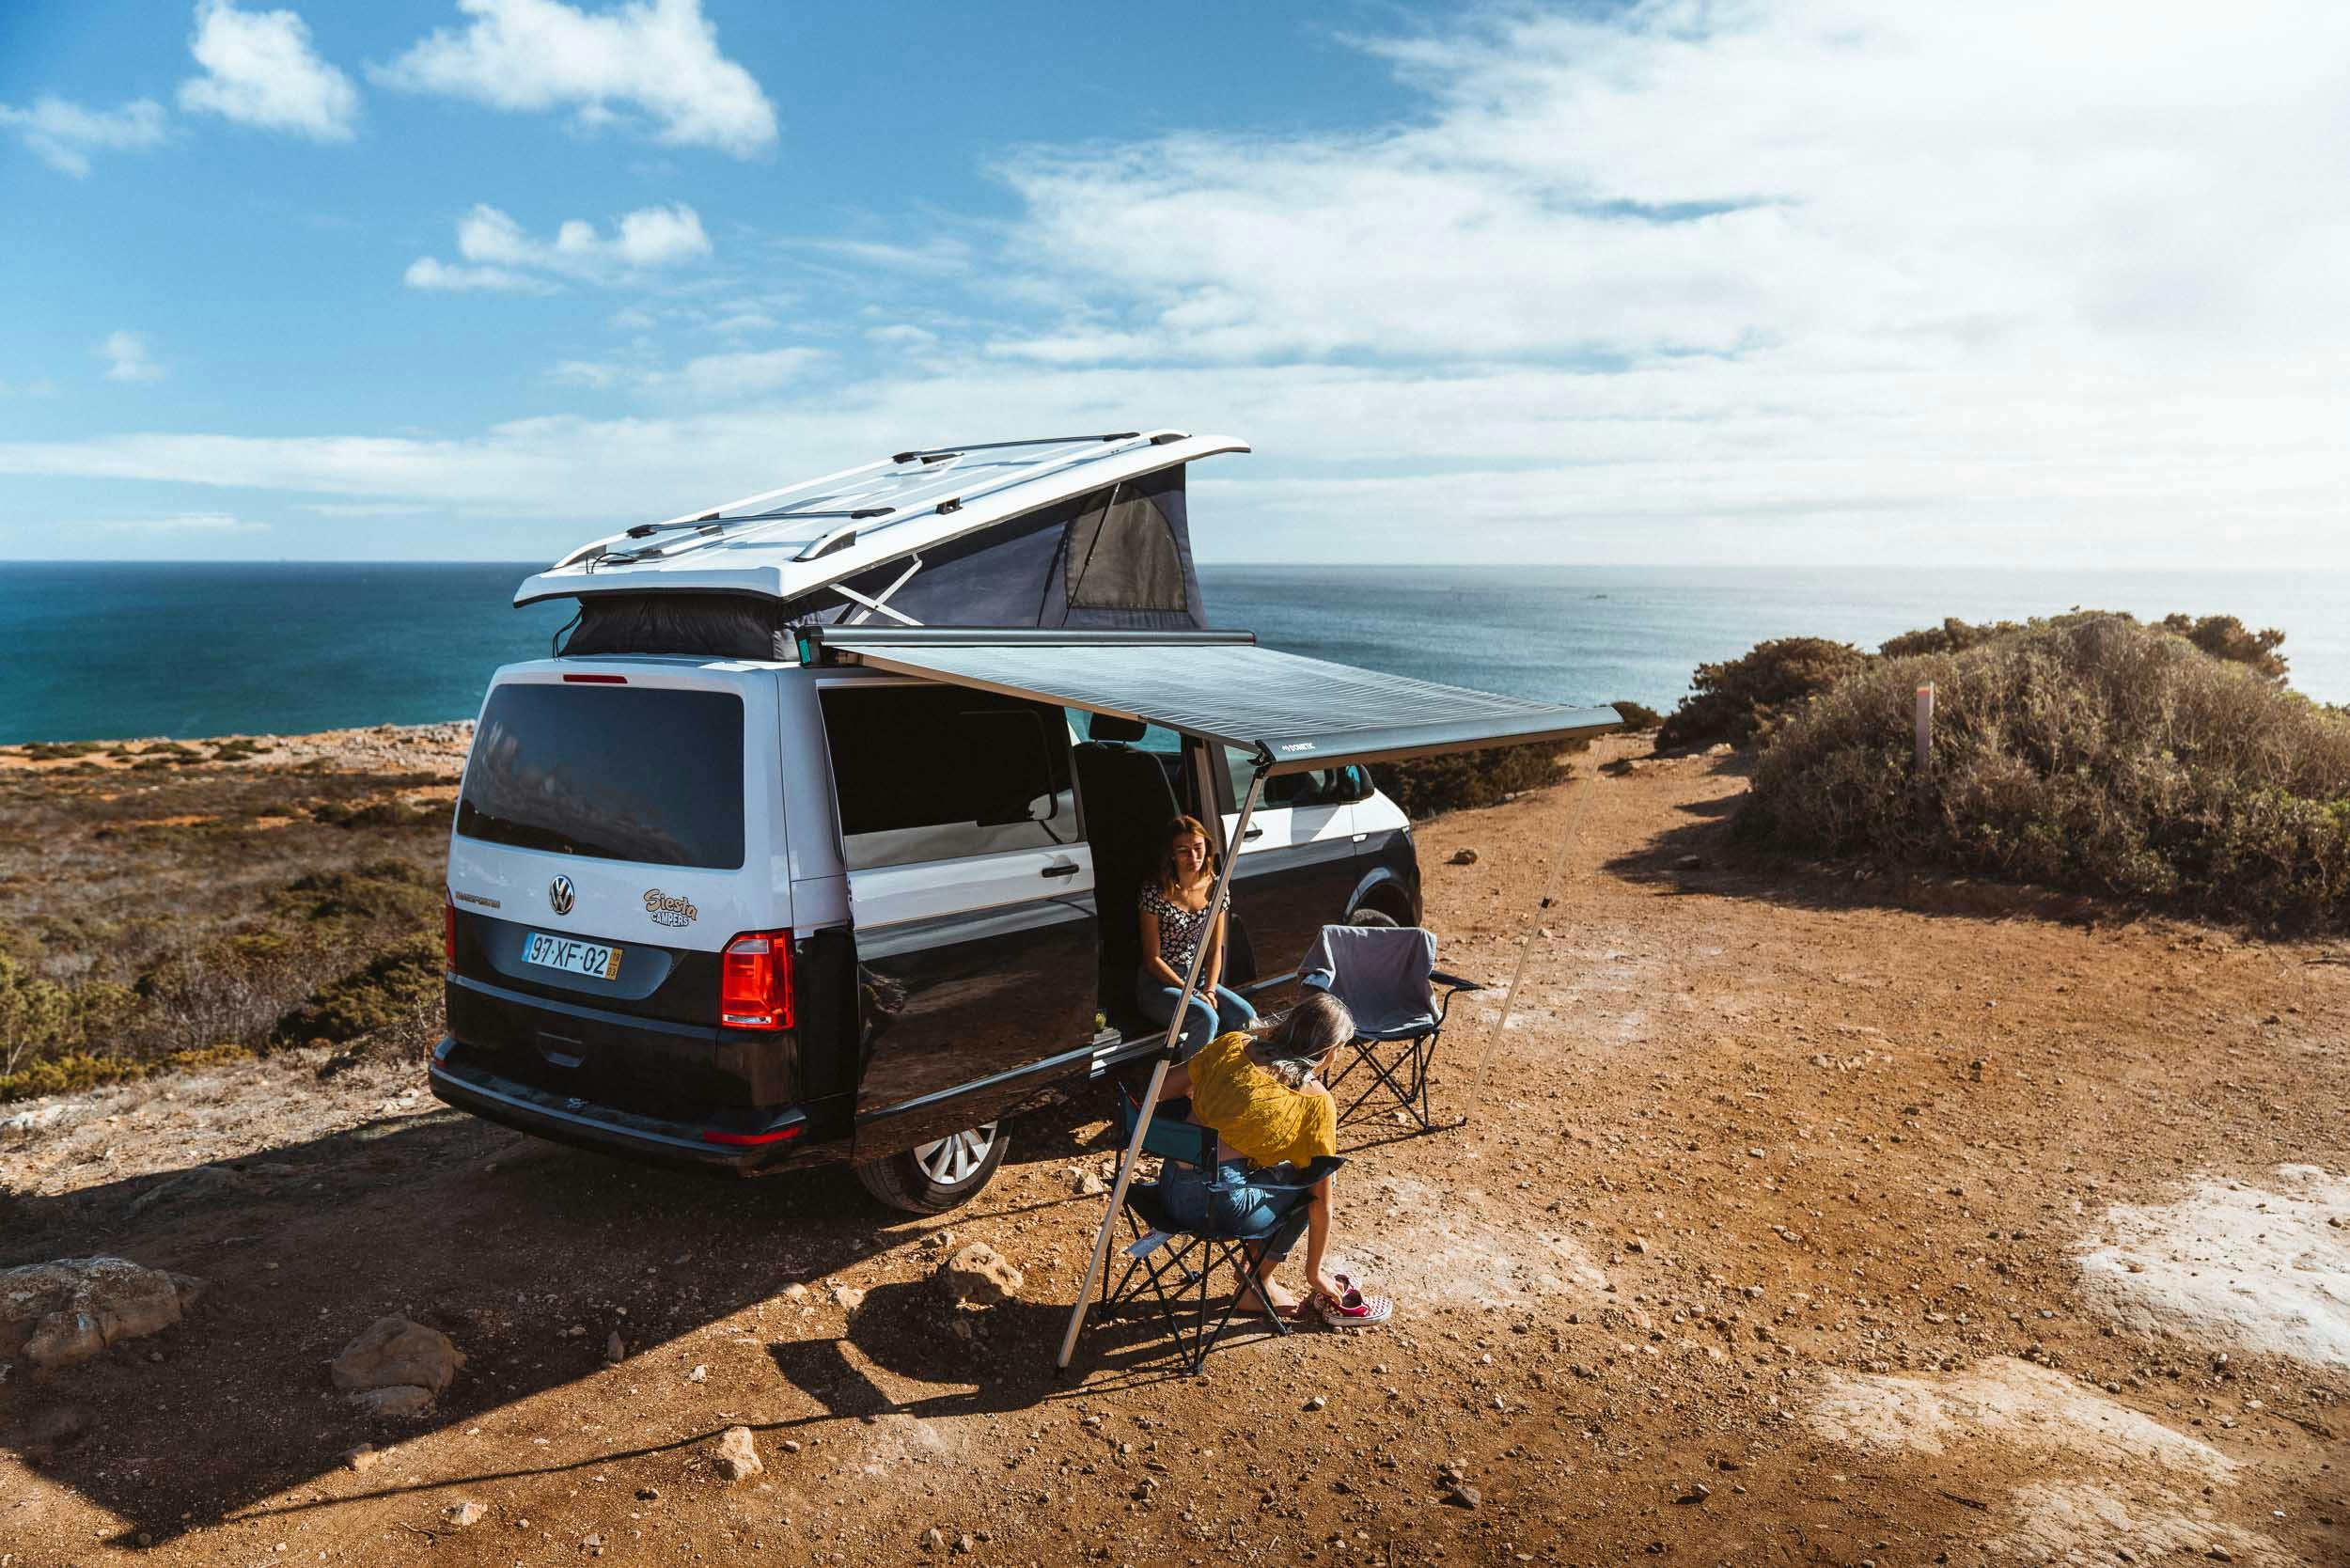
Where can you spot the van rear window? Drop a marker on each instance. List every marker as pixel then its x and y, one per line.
pixel 615 773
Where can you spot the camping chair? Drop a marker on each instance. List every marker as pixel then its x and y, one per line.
pixel 1386 976
pixel 1169 1264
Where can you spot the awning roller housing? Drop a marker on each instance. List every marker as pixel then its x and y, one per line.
pixel 1293 713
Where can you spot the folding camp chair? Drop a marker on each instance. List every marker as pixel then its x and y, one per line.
pixel 1169 1266
pixel 1386 975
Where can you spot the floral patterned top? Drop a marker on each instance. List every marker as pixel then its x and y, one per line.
pixel 1180 929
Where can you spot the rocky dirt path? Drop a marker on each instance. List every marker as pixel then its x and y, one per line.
pixel 1805 1220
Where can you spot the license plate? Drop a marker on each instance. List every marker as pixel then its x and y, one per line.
pixel 572 955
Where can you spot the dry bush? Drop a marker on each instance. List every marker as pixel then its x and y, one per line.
pixel 2088 752
pixel 1744 700
pixel 1423 786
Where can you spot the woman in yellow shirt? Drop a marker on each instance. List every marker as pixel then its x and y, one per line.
pixel 1256 1089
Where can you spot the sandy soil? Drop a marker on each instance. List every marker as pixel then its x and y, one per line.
pixel 1806 1219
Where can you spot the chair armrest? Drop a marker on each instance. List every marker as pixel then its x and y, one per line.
pixel 1310 1176
pixel 1454 982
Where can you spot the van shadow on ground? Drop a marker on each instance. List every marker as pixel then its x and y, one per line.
pixel 503 1241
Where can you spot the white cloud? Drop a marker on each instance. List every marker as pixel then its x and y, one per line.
pixel 63 134
pixel 502 255
pixel 427 272
pixel 127 357
pixel 176 523
pixel 903 337
pixel 716 378
pixel 657 60
pixel 938 255
pixel 260 70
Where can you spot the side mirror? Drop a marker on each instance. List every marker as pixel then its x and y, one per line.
pixel 1356 784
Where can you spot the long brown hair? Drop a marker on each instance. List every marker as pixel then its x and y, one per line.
pixel 1178 830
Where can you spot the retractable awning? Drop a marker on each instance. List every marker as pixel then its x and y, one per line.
pixel 1292 713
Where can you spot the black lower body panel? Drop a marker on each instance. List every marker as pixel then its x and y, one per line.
pixel 746 1146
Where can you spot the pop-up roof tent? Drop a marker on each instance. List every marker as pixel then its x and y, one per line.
pixel 1056 569
pixel 1077 531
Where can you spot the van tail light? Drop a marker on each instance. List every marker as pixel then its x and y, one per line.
pixel 449 931
pixel 755 982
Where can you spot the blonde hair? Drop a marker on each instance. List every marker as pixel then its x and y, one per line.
pixel 1181 828
pixel 1288 1045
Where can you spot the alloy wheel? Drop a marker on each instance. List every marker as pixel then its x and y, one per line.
pixel 951 1159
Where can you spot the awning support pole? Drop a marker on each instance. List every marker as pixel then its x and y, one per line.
pixel 1526 946
pixel 1158 1076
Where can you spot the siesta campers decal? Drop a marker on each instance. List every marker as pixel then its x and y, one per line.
pixel 670 909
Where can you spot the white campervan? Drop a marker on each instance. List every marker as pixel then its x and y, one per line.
pixel 821 836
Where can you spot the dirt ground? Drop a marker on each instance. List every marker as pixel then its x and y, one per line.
pixel 1805 1220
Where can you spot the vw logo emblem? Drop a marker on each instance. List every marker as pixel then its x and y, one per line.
pixel 560 894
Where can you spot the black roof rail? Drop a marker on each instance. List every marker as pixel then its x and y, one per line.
pixel 936 454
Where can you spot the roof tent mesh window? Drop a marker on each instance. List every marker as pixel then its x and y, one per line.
pixel 1122 555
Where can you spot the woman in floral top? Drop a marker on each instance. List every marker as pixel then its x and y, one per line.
pixel 1175 921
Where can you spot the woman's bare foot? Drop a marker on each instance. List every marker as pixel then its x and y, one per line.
pixel 1257 1294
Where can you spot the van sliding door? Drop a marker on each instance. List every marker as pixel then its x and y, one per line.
pixel 1297 866
pixel 971 894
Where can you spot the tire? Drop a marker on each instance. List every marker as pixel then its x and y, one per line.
pixel 1369 916
pixel 932 1177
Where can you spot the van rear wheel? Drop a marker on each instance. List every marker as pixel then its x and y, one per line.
pixel 932 1177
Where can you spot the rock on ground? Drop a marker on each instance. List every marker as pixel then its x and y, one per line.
pixel 980 1276
pixel 393 1353
pixel 61 1313
pixel 735 1456
pixel 400 1399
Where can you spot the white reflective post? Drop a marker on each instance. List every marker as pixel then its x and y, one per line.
pixel 1158 1078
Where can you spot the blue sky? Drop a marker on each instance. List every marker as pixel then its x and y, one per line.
pixel 1658 282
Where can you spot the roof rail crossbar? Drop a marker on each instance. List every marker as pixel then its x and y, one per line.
pixel 934 454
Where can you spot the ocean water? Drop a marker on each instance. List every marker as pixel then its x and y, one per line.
pixel 103 650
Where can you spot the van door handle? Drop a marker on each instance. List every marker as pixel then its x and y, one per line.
pixel 1069 870
pixel 1252 833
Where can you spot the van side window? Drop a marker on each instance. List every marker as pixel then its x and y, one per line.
pixel 1314 787
pixel 939 773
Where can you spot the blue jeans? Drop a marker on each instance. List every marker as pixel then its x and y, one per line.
pixel 1233 1205
pixel 1212 1012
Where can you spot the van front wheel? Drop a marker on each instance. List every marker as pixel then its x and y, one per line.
pixel 932 1177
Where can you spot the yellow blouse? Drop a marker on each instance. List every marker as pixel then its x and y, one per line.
pixel 1255 1111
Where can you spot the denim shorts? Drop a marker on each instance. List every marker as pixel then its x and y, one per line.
pixel 1237 1204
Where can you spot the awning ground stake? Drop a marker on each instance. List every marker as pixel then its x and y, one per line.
pixel 1526 946
pixel 1158 1076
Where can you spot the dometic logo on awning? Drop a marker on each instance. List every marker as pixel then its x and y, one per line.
pixel 670 909
pixel 1299 745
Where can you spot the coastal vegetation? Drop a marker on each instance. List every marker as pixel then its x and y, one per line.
pixel 159 909
pixel 2164 762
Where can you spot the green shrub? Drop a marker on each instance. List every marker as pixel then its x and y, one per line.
pixel 2088 752
pixel 59 751
pixel 1744 700
pixel 1423 786
pixel 379 888
pixel 400 987
pixel 1636 715
pixel 2223 637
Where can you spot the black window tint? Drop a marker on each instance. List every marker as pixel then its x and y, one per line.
pixel 618 773
pixel 1314 787
pixel 937 773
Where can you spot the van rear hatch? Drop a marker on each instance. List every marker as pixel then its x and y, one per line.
pixel 608 849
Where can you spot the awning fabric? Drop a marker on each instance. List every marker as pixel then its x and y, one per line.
pixel 1293 713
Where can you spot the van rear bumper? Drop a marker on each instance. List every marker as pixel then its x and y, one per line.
pixel 776 1143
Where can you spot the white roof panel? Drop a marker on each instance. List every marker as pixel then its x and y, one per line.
pixel 789 542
